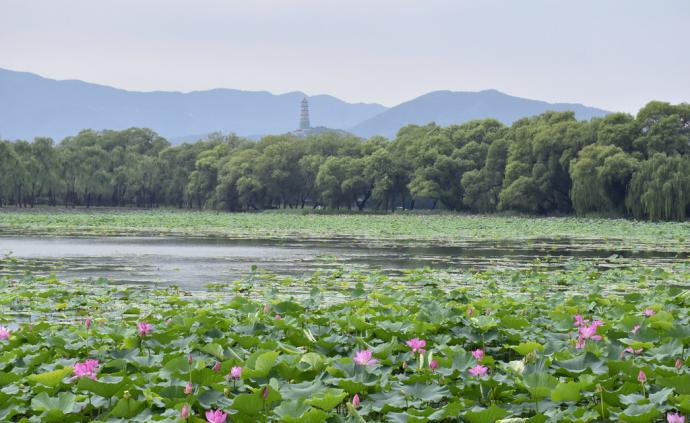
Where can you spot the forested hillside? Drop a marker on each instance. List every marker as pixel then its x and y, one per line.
pixel 618 165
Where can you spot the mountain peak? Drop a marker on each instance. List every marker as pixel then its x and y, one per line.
pixel 455 107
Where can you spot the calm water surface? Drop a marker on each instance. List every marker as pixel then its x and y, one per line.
pixel 193 262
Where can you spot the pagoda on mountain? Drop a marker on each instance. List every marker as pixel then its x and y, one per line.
pixel 305 128
pixel 304 115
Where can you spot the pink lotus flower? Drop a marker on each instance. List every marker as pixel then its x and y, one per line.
pixel 478 354
pixel 679 363
pixel 634 352
pixel 278 317
pixel 648 312
pixel 189 388
pixel 433 364
pixel 216 367
pixel 588 332
pixel 216 416
pixel 478 370
pixel 641 377
pixel 635 329
pixel 185 412
pixel 675 418
pixel 144 328
pixel 86 369
pixel 235 372
pixel 580 321
pixel 363 358
pixel 87 323
pixel 4 333
pixel 580 344
pixel 355 401
pixel 417 345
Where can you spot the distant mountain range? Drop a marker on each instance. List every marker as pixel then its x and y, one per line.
pixel 449 107
pixel 31 106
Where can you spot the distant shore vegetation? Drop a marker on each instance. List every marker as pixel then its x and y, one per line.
pixel 550 164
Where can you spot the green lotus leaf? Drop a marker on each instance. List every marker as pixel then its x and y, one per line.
pixel 261 365
pixel 637 413
pixel 429 393
pixel 487 415
pixel 52 378
pixel 214 350
pixel 327 399
pixel 566 391
pixel 680 384
pixel 525 348
pixel 127 408
pixel 106 387
pixel 540 384
pixel 582 363
pixel 63 403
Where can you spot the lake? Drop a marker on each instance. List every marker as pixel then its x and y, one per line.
pixel 193 262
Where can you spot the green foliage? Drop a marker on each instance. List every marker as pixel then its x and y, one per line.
pixel 522 320
pixel 546 164
pixel 661 189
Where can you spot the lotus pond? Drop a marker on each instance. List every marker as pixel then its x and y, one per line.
pixel 530 345
pixel 410 227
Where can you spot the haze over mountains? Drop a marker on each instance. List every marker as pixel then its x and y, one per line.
pixel 31 106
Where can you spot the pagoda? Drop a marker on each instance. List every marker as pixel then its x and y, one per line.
pixel 304 115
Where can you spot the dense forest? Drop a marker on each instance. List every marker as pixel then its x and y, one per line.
pixel 619 165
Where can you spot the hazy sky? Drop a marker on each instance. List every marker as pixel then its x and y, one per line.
pixel 614 54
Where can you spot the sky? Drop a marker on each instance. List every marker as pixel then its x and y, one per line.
pixel 613 54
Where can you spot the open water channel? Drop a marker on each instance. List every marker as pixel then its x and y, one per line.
pixel 193 262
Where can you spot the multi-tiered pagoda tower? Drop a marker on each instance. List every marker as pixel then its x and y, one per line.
pixel 304 115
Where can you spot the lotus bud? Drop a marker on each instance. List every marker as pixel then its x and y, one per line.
pixel 404 364
pixel 599 388
pixel 679 363
pixel 264 393
pixel 216 367
pixel 184 413
pixel 189 388
pixel 126 395
pixel 190 359
pixel 355 401
pixel 641 377
pixel 87 323
pixel 266 308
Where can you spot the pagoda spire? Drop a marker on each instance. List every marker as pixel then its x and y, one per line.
pixel 304 115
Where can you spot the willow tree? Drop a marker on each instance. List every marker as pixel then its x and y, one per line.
pixel 660 189
pixel 601 175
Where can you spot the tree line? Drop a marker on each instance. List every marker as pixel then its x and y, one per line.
pixel 618 165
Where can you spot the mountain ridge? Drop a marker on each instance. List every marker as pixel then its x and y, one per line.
pixel 446 107
pixel 31 106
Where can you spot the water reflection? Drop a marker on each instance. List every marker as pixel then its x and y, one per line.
pixel 193 262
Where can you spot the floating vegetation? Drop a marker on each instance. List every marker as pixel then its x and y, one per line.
pixel 569 345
